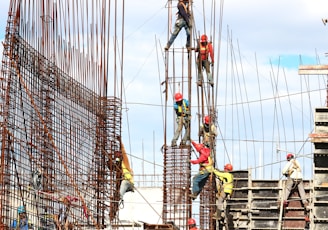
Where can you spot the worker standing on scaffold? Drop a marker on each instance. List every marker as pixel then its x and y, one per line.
pixel 293 172
pixel 205 50
pixel 181 107
pixel 208 132
pixel 183 20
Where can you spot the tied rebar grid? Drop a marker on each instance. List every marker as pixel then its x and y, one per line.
pixel 58 141
pixel 177 173
pixel 208 204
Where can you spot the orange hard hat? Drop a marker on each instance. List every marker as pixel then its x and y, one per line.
pixel 197 146
pixel 228 167
pixel 207 119
pixel 203 38
pixel 290 156
pixel 191 221
pixel 178 97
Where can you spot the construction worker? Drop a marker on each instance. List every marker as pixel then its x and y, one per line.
pixel 127 184
pixel 61 220
pixel 22 218
pixel 293 172
pixel 181 107
pixel 224 185
pixel 192 224
pixel 205 168
pixel 205 50
pixel 182 21
pixel 208 132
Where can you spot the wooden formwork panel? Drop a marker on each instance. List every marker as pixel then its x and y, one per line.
pixel 323 150
pixel 240 193
pixel 237 204
pixel 265 184
pixel 321 115
pixel 159 226
pixel 269 204
pixel 321 195
pixel 264 223
pixel 320 180
pixel 321 211
pixel 240 184
pixel 321 128
pixel 320 160
pixel 265 193
pixel 241 174
pixel 321 226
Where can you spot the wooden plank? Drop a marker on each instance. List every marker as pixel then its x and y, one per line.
pixel 313 70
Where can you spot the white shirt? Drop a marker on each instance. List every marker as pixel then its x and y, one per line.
pixel 293 169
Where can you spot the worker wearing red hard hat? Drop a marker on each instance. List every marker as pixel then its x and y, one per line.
pixel 192 224
pixel 207 130
pixel 205 51
pixel 224 185
pixel 181 107
pixel 205 168
pixel 293 172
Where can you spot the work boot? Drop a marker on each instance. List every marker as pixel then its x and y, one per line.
pixel 285 204
pixel 193 196
pixel 167 47
pixel 183 143
pixel 199 83
pixel 173 144
pixel 211 82
pixel 121 203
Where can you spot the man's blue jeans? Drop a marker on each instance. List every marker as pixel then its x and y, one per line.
pixel 199 182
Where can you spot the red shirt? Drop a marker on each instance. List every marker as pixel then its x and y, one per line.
pixel 193 228
pixel 205 50
pixel 204 153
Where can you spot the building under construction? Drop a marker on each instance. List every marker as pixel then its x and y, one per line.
pixel 61 123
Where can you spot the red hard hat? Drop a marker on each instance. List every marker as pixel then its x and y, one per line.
pixel 228 167
pixel 290 156
pixel 197 146
pixel 203 38
pixel 178 97
pixel 191 221
pixel 207 119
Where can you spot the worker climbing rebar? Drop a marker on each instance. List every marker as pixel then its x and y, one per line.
pixel 224 186
pixel 127 184
pixel 205 168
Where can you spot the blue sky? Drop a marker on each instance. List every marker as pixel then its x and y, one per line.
pixel 262 44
